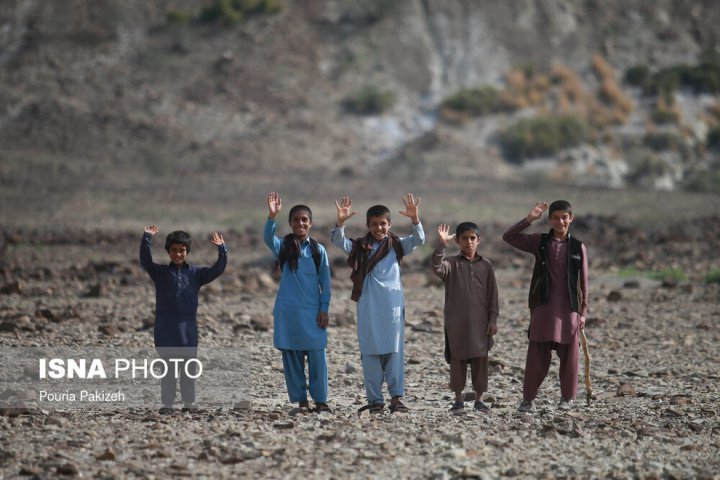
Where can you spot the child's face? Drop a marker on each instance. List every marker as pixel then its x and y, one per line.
pixel 560 221
pixel 379 227
pixel 468 242
pixel 300 224
pixel 177 253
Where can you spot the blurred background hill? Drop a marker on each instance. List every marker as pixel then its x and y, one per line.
pixel 112 110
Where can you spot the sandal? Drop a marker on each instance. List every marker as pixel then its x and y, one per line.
pixel 457 406
pixel 322 407
pixel 481 406
pixel 373 408
pixel 398 407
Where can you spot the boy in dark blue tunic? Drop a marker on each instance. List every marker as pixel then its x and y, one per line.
pixel 177 285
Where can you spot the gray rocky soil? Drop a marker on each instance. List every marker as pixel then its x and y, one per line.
pixel 654 412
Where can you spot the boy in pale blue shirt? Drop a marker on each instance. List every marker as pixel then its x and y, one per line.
pixel 301 305
pixel 377 289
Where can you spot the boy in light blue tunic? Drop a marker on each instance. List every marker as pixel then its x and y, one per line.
pixel 378 291
pixel 301 306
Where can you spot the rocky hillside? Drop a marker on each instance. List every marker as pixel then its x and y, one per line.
pixel 612 93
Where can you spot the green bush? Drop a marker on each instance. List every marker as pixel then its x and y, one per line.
pixel 664 116
pixel 541 136
pixel 668 273
pixel 179 17
pixel 702 78
pixel 713 138
pixel 713 276
pixel 479 101
pixel 232 12
pixel 660 141
pixel 369 100
pixel 703 181
pixel 646 165
pixel 637 75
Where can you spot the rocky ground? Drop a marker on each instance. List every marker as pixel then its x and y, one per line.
pixel 654 371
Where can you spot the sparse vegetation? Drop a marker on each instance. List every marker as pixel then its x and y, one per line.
pixel 659 275
pixel 479 101
pixel 660 141
pixel 232 12
pixel 542 136
pixel 369 100
pixel 701 78
pixel 179 17
pixel 713 276
pixel 703 180
pixel 713 139
pixel 644 166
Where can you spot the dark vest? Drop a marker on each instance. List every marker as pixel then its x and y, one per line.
pixel 540 283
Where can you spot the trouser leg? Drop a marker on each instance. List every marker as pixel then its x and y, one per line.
pixel 537 365
pixel 294 370
pixel 569 355
pixel 458 375
pixel 373 376
pixel 318 373
pixel 394 366
pixel 187 370
pixel 479 374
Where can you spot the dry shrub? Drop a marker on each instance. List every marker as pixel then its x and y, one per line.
pixel 611 91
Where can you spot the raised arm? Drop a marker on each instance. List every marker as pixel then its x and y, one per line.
pixel 344 212
pixel 208 274
pixel 146 250
pixel 526 242
pixel 440 266
pixel 411 211
pixel 274 206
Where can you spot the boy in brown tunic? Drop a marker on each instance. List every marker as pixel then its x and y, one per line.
pixel 558 299
pixel 471 310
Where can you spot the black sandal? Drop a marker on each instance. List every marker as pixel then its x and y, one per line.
pixel 322 407
pixel 398 407
pixel 373 408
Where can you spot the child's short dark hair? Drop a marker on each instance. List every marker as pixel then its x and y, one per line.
pixel 299 208
pixel 560 205
pixel 178 236
pixel 377 211
pixel 464 227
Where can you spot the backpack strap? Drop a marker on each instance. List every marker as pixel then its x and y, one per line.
pixel 317 257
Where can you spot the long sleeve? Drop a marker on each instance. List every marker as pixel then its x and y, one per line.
pixel 522 241
pixel 440 266
pixel 325 282
pixel 413 241
pixel 337 236
pixel 492 296
pixel 146 256
pixel 208 274
pixel 271 240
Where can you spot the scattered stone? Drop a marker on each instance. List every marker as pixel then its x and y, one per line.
pixel 631 284
pixel 108 454
pixel 350 368
pixel 67 469
pixel 626 390
pixel 96 291
pixel 11 288
pixel 614 296
pixel 109 330
pixel 8 326
pixel 284 425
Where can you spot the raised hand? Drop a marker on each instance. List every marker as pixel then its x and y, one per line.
pixel 537 211
pixel 444 234
pixel 274 204
pixel 411 208
pixel 344 210
pixel 152 229
pixel 217 239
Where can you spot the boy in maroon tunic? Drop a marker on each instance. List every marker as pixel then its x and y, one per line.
pixel 471 310
pixel 558 299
